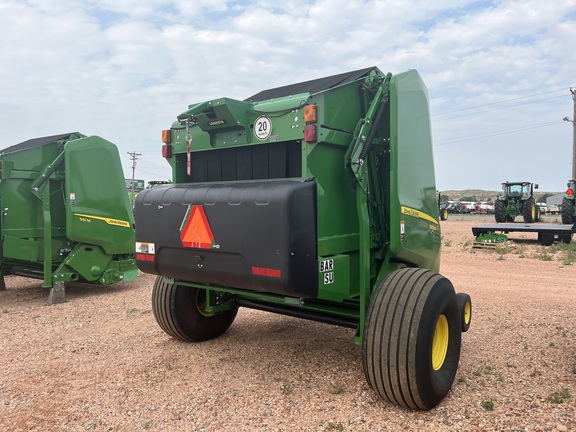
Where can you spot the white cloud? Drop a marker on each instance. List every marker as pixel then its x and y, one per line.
pixel 124 69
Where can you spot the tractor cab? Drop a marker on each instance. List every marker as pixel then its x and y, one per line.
pixel 516 191
pixel 517 199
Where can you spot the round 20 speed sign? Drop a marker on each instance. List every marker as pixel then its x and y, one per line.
pixel 262 127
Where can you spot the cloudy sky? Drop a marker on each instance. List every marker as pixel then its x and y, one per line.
pixel 498 72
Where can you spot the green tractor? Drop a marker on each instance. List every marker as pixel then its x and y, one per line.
pixel 442 208
pixel 315 200
pixel 568 207
pixel 517 199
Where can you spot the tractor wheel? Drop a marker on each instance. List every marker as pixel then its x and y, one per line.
pixel 180 312
pixel 529 210
pixel 412 337
pixel 443 214
pixel 500 211
pixel 465 306
pixel 538 217
pixel 567 211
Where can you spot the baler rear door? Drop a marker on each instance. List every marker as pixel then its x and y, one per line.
pixel 98 210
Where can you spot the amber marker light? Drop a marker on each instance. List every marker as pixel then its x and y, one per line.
pixel 310 113
pixel 166 137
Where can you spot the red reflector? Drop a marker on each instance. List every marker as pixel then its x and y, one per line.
pixel 261 271
pixel 167 151
pixel 570 192
pixel 310 133
pixel 196 232
pixel 145 257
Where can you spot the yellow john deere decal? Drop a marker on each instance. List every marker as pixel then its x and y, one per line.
pixel 418 214
pixel 109 221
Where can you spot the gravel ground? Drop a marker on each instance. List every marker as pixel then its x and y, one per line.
pixel 100 361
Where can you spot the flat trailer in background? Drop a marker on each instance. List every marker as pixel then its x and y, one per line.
pixel 547 234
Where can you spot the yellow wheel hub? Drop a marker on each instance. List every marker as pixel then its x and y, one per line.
pixel 440 342
pixel 467 313
pixel 201 303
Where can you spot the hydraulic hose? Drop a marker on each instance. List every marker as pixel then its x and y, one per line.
pixel 373 130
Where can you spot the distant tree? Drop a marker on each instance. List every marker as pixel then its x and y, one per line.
pixel 469 198
pixel 444 197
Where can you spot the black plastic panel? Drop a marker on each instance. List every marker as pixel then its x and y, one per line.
pixel 36 142
pixel 312 86
pixel 272 161
pixel 264 234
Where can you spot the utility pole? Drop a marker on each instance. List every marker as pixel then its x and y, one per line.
pixel 573 91
pixel 134 157
pixel 567 119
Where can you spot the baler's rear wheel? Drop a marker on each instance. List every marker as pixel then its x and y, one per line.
pixel 465 306
pixel 567 211
pixel 500 211
pixel 181 312
pixel 412 338
pixel 529 210
pixel 443 214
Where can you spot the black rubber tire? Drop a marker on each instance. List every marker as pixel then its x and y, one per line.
pixel 398 341
pixel 465 307
pixel 500 211
pixel 529 210
pixel 178 311
pixel 538 217
pixel 443 214
pixel 567 211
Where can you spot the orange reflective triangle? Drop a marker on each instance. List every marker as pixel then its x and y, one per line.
pixel 196 232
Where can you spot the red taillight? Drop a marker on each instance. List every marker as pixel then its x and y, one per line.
pixel 570 192
pixel 262 271
pixel 167 150
pixel 310 133
pixel 144 257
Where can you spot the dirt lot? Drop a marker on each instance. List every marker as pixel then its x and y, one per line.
pixel 100 361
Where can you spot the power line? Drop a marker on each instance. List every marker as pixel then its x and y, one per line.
pixel 503 101
pixel 496 133
pixel 493 109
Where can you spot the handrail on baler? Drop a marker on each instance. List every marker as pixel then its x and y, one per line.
pixel 41 189
pixel 356 155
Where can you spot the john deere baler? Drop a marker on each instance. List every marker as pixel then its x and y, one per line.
pixel 315 200
pixel 65 213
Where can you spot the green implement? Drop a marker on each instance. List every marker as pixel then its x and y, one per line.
pixel 65 213
pixel 315 200
pixel 568 209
